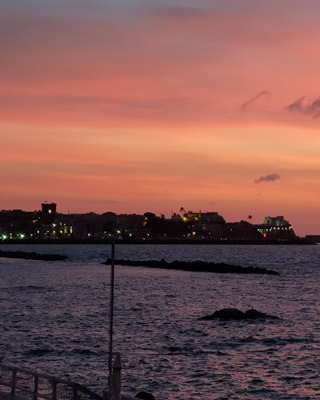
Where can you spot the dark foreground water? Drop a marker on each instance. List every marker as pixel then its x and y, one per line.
pixel 54 319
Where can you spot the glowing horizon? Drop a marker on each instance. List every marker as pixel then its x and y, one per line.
pixel 212 106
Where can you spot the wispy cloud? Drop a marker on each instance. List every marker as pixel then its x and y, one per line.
pixel 267 178
pixel 253 99
pixel 307 107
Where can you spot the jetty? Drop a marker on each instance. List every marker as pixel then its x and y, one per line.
pixel 194 266
pixel 32 256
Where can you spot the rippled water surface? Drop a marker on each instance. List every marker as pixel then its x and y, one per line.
pixel 54 319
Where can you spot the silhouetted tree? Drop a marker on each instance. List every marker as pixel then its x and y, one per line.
pixel 182 210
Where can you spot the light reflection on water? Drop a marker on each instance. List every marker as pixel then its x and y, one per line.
pixel 55 320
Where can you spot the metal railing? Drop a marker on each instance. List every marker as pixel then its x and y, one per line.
pixel 30 385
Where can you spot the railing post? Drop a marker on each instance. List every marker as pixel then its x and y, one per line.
pixel 35 387
pixel 32 382
pixel 116 378
pixel 13 382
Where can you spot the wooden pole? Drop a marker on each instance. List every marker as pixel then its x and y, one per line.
pixel 111 317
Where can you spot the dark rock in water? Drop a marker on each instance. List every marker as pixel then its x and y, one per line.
pixel 145 396
pixel 254 314
pixel 225 314
pixel 32 256
pixel 197 266
pixel 233 314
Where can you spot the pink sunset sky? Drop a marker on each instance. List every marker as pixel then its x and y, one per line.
pixel 135 106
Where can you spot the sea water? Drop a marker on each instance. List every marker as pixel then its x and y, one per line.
pixel 55 320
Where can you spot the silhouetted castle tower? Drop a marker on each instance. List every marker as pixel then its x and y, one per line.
pixel 49 212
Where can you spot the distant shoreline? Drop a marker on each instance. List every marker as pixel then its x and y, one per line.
pixel 167 241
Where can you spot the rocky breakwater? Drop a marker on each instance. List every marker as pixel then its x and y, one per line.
pixel 32 256
pixel 196 266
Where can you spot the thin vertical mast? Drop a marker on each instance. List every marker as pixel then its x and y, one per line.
pixel 111 316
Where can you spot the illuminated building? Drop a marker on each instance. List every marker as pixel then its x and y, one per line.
pixel 48 213
pixel 276 228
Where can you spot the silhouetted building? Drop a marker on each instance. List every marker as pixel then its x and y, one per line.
pixel 241 231
pixel 188 226
pixel 313 238
pixel 276 228
pixel 275 221
pixel 48 213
